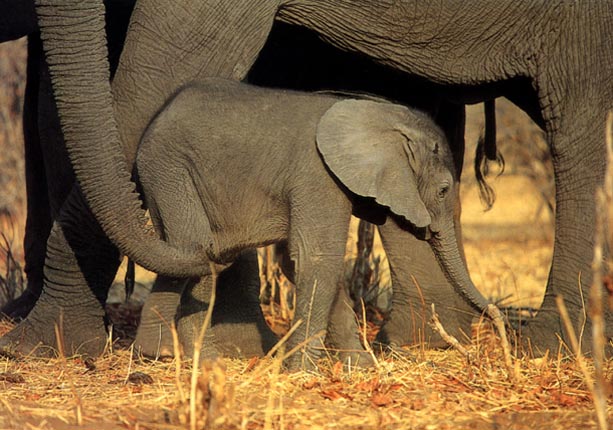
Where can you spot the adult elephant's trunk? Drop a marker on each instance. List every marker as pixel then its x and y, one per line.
pixel 73 39
pixel 445 248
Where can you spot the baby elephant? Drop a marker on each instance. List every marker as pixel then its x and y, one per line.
pixel 227 166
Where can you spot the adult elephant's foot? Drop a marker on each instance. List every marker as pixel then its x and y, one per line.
pixel 243 340
pixel 80 265
pixel 391 350
pixel 154 341
pixel 45 333
pixel 546 334
pixel 361 359
pixel 303 360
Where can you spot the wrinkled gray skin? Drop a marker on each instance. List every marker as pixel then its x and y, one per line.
pixel 289 152
pixel 239 324
pixel 558 72
pixel 49 175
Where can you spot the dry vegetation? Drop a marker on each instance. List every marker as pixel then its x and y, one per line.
pixel 508 251
pixel 424 390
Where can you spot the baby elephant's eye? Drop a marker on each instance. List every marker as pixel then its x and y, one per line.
pixel 443 190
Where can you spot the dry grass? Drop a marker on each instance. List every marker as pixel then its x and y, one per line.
pixel 434 390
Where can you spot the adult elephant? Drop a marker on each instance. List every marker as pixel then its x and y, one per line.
pixel 558 72
pixel 239 324
pixel 48 173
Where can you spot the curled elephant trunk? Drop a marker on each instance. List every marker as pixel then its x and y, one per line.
pixel 446 249
pixel 74 41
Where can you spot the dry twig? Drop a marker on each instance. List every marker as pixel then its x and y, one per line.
pixel 436 325
pixel 499 322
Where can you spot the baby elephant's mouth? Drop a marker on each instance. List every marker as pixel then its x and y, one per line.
pixel 424 233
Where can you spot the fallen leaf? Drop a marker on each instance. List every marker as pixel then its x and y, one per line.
pixel 337 371
pixel 381 399
pixel 563 399
pixel 334 394
pixel 418 404
pixel 32 396
pixel 251 364
pixel 310 384
pixel 369 385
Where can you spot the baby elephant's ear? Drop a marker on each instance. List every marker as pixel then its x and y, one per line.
pixel 368 146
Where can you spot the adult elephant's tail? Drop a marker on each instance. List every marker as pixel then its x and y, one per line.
pixel 74 42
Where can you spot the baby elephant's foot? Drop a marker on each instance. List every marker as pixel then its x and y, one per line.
pixel 391 350
pixel 154 341
pixel 359 359
pixel 302 361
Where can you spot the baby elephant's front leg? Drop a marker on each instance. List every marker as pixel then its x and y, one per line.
pixel 317 249
pixel 344 333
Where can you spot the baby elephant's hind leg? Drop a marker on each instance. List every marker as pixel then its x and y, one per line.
pixel 177 213
pixel 238 325
pixel 154 336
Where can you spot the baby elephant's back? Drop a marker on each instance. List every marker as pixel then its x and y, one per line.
pixel 227 118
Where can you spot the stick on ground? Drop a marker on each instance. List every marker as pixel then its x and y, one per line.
pixel 436 325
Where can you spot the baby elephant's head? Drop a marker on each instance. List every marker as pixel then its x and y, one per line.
pixel 395 155
pixel 401 159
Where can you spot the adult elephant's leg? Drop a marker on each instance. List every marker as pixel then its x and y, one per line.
pixel 451 118
pixel 417 283
pixel 238 327
pixel 195 302
pixel 578 145
pixel 49 176
pixel 79 268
